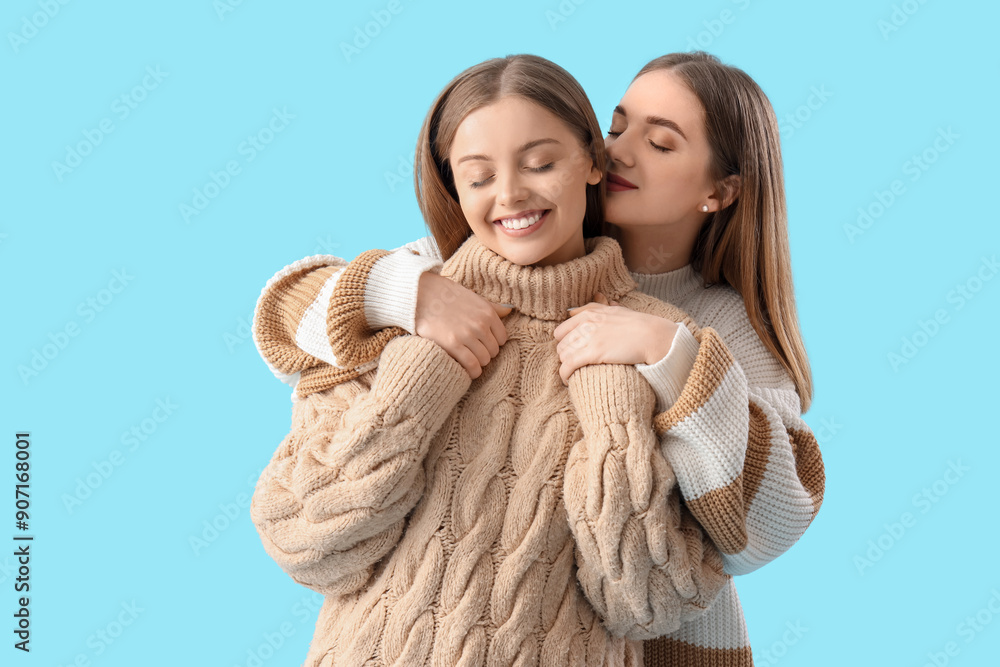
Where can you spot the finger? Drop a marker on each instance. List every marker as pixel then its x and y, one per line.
pixel 573 322
pixel 480 352
pixel 499 330
pixel 600 298
pixel 587 306
pixel 468 361
pixel 565 370
pixel 502 309
pixel 489 341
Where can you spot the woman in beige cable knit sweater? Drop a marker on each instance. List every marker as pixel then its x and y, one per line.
pixel 510 519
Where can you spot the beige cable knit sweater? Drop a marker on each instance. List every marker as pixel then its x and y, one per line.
pixel 504 521
pixel 748 466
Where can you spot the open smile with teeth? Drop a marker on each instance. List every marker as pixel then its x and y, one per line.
pixel 522 222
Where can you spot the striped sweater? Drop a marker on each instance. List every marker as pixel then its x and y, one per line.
pixel 747 465
pixel 509 520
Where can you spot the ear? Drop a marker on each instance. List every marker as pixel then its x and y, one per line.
pixel 595 175
pixel 726 192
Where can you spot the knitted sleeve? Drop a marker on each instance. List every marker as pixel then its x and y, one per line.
pixel 748 466
pixel 321 320
pixel 335 496
pixel 642 560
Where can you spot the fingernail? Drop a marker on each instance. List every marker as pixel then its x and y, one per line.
pixel 508 305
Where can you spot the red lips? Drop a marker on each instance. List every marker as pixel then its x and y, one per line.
pixel 617 184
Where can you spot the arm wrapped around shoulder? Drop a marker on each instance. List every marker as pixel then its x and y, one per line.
pixel 334 498
pixel 643 560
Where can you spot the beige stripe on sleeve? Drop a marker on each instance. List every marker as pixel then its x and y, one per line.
pixel 280 310
pixel 723 512
pixel 710 367
pixel 668 652
pixel 809 465
pixel 352 340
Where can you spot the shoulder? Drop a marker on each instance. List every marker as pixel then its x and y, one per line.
pixel 425 247
pixel 644 303
pixel 722 308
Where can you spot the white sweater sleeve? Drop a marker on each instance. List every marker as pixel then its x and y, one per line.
pixel 748 466
pixel 391 290
pixel 668 375
pixel 292 319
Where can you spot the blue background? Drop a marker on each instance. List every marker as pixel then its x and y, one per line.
pixel 337 179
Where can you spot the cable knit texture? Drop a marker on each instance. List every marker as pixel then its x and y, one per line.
pixel 509 520
pixel 747 465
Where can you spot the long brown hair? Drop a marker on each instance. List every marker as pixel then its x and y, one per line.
pixel 745 245
pixel 530 77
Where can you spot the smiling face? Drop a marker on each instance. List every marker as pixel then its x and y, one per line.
pixel 659 156
pixel 521 176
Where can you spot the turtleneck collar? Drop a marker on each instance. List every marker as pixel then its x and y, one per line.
pixel 543 292
pixel 672 286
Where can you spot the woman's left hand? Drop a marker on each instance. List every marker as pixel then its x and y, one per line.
pixel 603 332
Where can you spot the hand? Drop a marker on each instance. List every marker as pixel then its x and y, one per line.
pixel 465 324
pixel 602 332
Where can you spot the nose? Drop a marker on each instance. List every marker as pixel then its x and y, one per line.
pixel 618 149
pixel 511 188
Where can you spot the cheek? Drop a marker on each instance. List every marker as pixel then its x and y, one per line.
pixel 470 205
pixel 677 180
pixel 569 187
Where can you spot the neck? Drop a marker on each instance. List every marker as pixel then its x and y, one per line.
pixel 655 248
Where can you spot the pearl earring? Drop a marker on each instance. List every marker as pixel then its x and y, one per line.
pixel 704 207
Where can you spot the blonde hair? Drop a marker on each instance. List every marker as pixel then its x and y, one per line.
pixel 745 245
pixel 532 78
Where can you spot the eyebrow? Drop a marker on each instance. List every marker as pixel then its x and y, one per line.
pixel 526 147
pixel 657 120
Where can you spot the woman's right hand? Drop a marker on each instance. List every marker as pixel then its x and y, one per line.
pixel 465 324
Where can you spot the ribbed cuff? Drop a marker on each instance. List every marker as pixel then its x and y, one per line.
pixel 610 394
pixel 419 380
pixel 391 289
pixel 668 375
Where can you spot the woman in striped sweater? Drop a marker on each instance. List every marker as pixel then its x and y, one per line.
pixel 696 201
